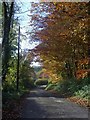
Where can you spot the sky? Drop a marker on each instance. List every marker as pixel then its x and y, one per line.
pixel 24 23
pixel 24 20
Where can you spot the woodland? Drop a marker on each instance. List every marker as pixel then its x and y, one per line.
pixel 64 51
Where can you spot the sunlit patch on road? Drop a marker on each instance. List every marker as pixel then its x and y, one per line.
pixel 43 104
pixel 59 101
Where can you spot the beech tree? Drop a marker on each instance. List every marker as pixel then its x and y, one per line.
pixel 64 38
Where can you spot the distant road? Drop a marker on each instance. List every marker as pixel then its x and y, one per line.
pixel 42 104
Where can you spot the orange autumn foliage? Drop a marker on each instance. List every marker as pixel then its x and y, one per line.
pixel 82 73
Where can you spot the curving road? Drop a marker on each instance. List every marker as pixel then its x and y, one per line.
pixel 42 104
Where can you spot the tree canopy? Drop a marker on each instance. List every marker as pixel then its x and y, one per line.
pixel 64 38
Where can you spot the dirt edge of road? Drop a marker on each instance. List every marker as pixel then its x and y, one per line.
pixel 80 101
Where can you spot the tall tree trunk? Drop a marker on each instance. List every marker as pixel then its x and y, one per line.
pixel 7 17
pixel 18 59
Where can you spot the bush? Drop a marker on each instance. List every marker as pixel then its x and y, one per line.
pixel 41 82
pixel 26 75
pixel 27 82
pixel 71 87
pixel 14 94
pixel 83 93
pixel 66 86
pixel 50 86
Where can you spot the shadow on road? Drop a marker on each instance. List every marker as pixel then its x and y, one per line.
pixel 43 104
pixel 40 92
pixel 33 109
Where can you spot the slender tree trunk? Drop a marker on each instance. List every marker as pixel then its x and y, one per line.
pixel 18 59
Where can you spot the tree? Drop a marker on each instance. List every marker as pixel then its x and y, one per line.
pixel 64 38
pixel 8 10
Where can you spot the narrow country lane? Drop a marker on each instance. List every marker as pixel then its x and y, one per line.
pixel 42 104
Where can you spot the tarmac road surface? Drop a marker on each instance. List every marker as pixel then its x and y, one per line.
pixel 43 104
